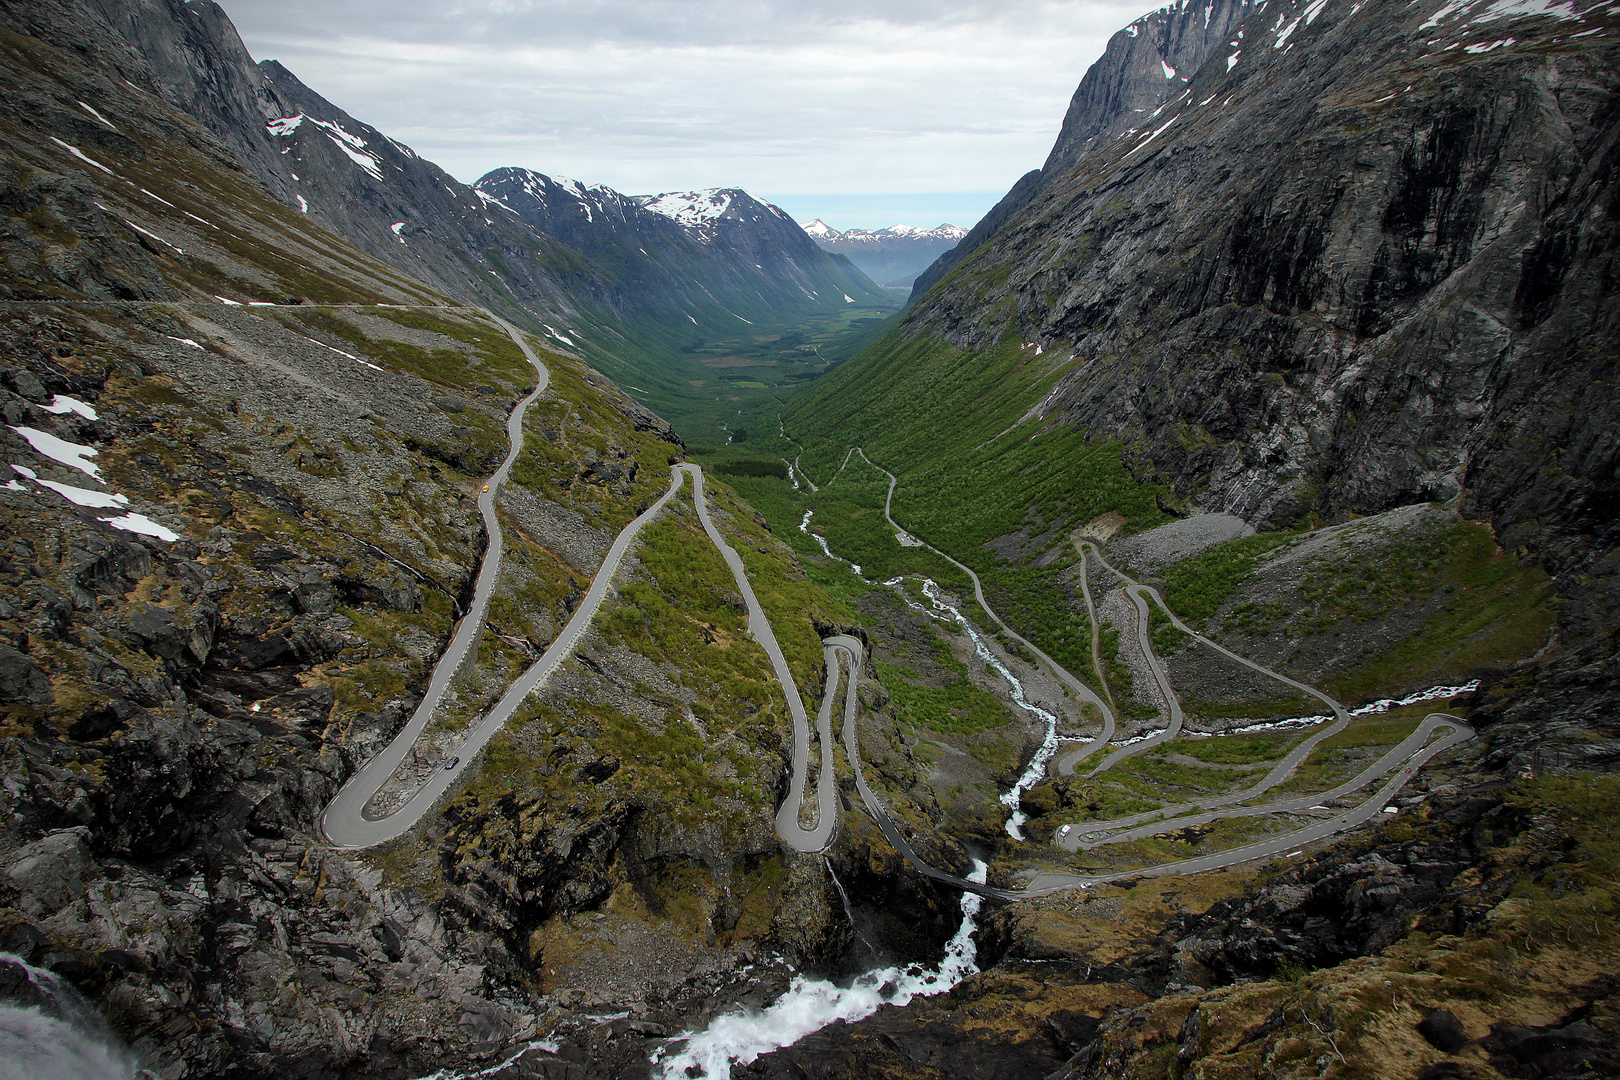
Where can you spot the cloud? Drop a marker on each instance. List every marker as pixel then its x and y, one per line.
pixel 834 96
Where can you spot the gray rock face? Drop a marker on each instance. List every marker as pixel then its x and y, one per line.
pixel 1348 265
pixel 73 244
pixel 51 873
pixel 1145 65
pixel 20 679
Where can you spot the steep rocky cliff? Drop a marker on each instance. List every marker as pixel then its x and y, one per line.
pixel 1362 256
pixel 1145 65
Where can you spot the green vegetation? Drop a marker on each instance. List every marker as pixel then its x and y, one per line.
pixel 1196 588
pixel 976 479
pixel 715 377
pixel 572 441
pixel 1118 675
pixel 1379 733
pixel 1495 610
pixel 1237 749
pixel 959 708
pixel 1165 636
pixel 753 467
pixel 1587 805
pixel 849 514
pixel 1183 780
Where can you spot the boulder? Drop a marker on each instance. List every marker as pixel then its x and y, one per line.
pixel 51 872
pixel 21 680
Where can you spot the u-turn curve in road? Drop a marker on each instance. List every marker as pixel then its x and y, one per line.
pixel 346 822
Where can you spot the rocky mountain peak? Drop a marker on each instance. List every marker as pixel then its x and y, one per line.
pixel 1145 65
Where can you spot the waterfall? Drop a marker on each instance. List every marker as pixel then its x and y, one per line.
pixel 811 1004
pixel 849 912
pixel 50 1032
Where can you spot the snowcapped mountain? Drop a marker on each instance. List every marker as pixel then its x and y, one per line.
pixel 692 209
pixel 825 234
pixel 894 255
pixel 819 230
pixel 710 256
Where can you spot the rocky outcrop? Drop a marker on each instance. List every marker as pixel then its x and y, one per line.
pixel 1374 953
pixel 1347 331
pixel 1145 65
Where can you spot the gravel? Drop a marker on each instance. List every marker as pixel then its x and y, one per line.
pixel 1152 551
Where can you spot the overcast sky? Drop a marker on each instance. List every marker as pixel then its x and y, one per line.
pixel 863 112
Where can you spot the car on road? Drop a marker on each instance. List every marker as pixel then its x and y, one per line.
pixel 452 763
pixel 486 487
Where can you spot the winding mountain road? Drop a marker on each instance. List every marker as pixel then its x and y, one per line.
pixel 1404 759
pixel 845 655
pixel 346 823
pixel 819 837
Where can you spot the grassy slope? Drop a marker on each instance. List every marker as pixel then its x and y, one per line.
pixel 699 374
pixel 952 426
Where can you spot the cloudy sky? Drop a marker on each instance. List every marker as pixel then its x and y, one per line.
pixel 863 112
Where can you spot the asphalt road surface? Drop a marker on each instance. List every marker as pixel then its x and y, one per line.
pixel 819 837
pixel 346 823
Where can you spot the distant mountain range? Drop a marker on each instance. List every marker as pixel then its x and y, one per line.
pixel 627 284
pixel 893 256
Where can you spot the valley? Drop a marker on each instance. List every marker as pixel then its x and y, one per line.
pixel 522 630
pixel 708 386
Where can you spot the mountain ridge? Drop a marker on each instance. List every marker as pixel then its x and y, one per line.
pixel 892 255
pixel 244 459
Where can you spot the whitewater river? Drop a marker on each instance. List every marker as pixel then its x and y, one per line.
pixel 811 1004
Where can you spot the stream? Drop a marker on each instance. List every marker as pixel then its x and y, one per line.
pixel 811 1004
pixel 60 1036
pixel 1372 708
pixel 804 527
pixel 1036 770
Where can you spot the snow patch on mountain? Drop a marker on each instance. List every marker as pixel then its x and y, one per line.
pixel 353 147
pixel 690 209
pixel 823 233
